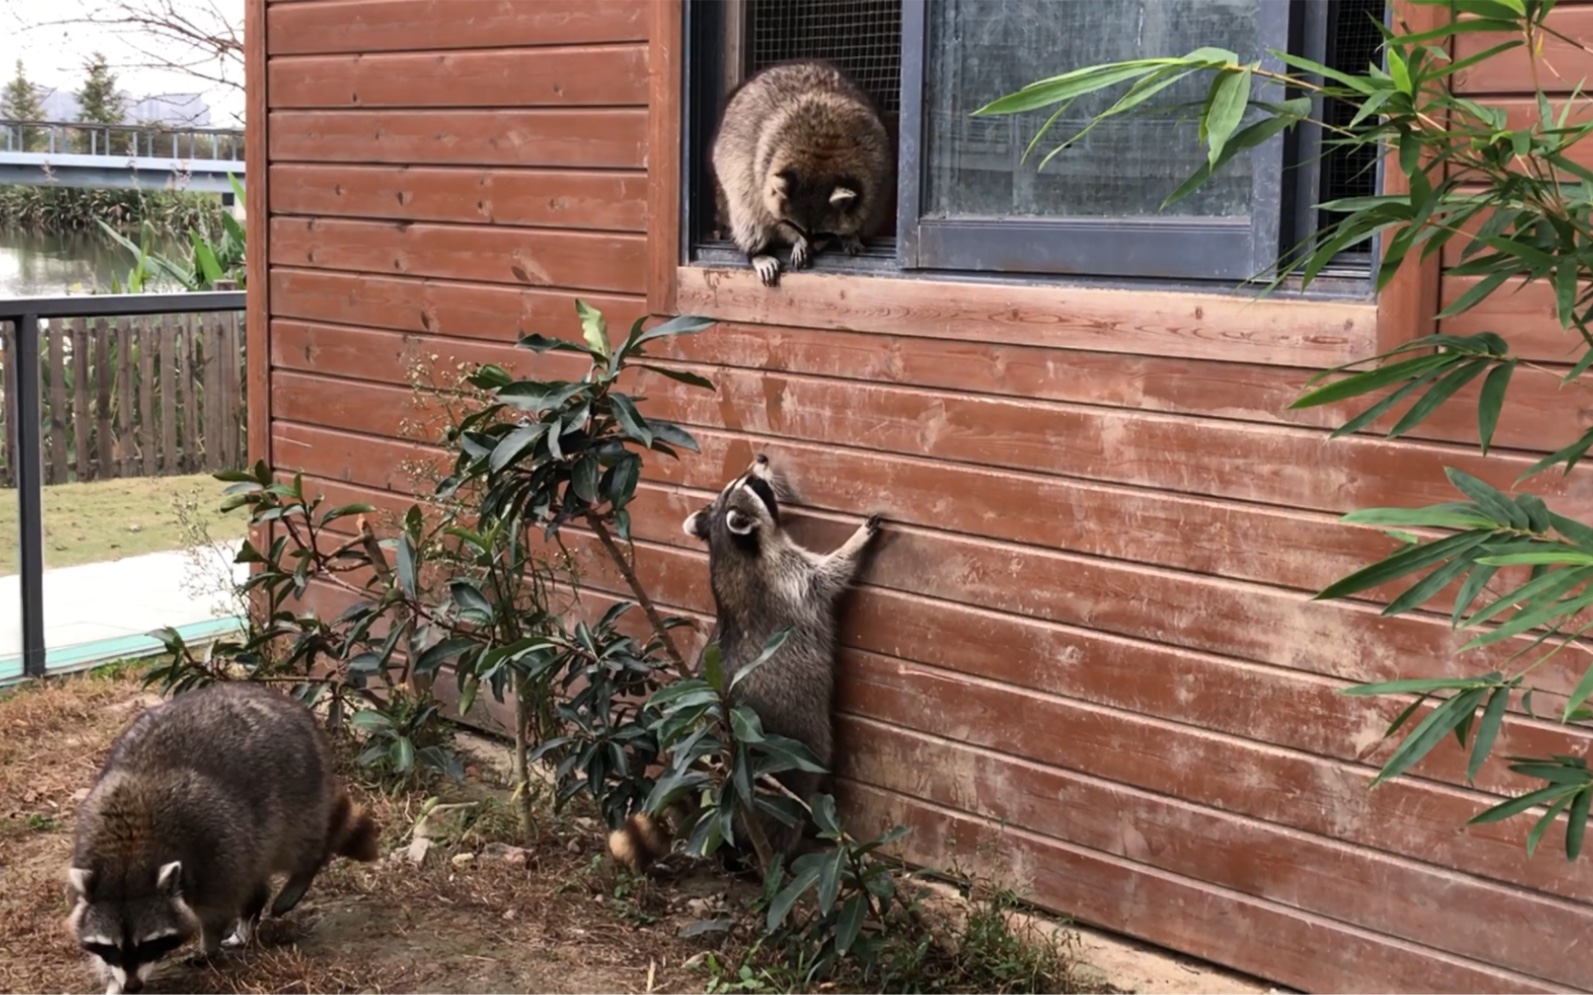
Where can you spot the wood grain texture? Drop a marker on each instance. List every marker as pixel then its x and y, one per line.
pixel 572 199
pixel 1006 561
pixel 361 26
pixel 1411 817
pixel 1289 708
pixel 509 77
pixel 1187 326
pixel 664 189
pixel 257 313
pixel 1346 884
pixel 1525 314
pixel 528 257
pixel 593 137
pixel 1289 468
pixel 497 312
pixel 1298 949
pixel 1562 66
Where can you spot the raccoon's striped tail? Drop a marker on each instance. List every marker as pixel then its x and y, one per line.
pixel 640 841
pixel 352 832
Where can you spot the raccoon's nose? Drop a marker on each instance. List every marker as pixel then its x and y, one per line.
pixel 760 458
pixel 133 984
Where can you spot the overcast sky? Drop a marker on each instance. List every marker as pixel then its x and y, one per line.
pixel 53 53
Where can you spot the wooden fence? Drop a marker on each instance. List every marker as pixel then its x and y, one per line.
pixel 134 397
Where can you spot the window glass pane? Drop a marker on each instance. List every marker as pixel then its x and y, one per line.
pixel 982 49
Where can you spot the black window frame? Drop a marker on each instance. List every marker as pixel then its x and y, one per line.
pixel 1214 253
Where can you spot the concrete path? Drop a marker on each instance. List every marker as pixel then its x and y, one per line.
pixel 103 611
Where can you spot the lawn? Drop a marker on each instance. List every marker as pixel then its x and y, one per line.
pixel 112 519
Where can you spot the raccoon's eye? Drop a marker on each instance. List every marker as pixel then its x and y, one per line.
pixel 105 952
pixel 155 949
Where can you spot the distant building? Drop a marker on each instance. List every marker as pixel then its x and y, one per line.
pixel 178 110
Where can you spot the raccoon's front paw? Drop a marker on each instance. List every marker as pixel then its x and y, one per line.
pixel 851 244
pixel 768 269
pixel 802 254
pixel 873 523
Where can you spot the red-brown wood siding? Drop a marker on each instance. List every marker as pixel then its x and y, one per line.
pixel 1085 658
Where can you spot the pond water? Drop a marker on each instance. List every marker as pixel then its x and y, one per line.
pixel 50 265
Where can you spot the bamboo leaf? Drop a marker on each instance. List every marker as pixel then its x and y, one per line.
pixel 1404 562
pixel 1491 402
pixel 1438 724
pixel 1487 731
pixel 1225 108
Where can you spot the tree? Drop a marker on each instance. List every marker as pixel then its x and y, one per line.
pixel 19 101
pixel 1516 193
pixel 99 102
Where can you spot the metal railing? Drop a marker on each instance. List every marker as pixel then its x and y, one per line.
pixel 122 140
pixel 25 314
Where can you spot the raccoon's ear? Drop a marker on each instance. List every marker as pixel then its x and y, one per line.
pixel 82 878
pixel 842 196
pixel 696 524
pixel 169 880
pixel 738 523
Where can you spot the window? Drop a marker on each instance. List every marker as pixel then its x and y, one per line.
pixel 968 203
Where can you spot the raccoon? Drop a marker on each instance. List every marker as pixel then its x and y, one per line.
pixel 201 800
pixel 763 582
pixel 801 157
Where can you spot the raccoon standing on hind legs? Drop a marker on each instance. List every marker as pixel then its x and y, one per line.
pixel 202 800
pixel 764 582
pixel 801 157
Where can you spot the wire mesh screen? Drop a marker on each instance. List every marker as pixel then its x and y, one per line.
pixel 1353 42
pixel 862 38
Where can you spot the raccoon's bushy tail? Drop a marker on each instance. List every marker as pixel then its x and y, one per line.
pixel 640 841
pixel 353 832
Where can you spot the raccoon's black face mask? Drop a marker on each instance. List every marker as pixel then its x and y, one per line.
pixel 744 509
pixel 818 207
pixel 131 932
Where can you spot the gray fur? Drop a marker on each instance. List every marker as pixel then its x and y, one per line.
pixel 763 582
pixel 202 799
pixel 801 157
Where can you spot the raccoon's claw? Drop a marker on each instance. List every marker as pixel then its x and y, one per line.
pixel 768 269
pixel 802 254
pixel 851 244
pixel 874 522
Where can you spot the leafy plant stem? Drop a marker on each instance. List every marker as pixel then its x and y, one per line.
pixel 600 529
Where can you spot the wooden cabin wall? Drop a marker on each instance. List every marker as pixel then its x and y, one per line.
pixel 1085 659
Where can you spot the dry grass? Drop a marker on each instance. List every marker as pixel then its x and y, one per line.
pixel 112 519
pixel 560 922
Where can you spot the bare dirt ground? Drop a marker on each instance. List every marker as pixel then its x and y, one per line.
pixel 473 917
pixel 475 914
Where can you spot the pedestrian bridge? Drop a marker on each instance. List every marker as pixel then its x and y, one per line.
pixel 75 154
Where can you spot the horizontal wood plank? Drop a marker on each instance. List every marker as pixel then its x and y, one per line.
pixel 1374 891
pixel 1526 315
pixel 613 201
pixel 529 257
pixel 1228 391
pixel 1293 948
pixel 495 312
pixel 418 25
pixel 596 138
pixel 1184 325
pixel 507 77
pixel 1232 618
pixel 1287 708
pixel 1286 467
pixel 1563 65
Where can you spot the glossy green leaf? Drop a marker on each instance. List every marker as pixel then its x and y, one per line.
pixel 594 326
pixel 1438 724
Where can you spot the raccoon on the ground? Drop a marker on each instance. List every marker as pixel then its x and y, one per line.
pixel 762 582
pixel 201 801
pixel 800 158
